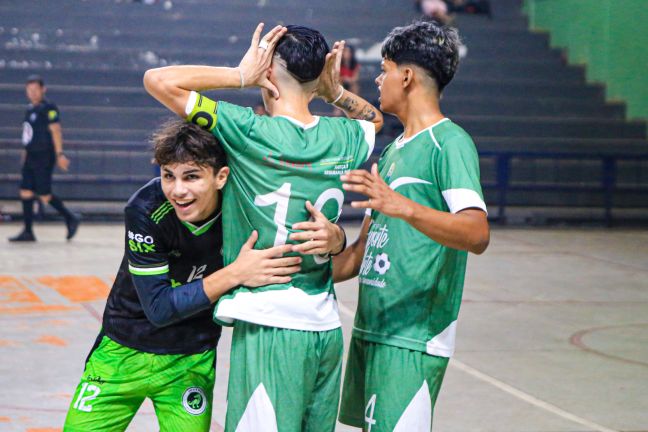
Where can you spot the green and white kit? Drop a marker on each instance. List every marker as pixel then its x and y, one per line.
pixel 410 286
pixel 291 381
pixel 287 344
pixel 390 389
pixel 277 164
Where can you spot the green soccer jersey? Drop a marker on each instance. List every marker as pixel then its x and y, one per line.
pixel 277 164
pixel 410 285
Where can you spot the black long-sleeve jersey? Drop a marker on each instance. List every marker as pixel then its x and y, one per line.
pixel 157 303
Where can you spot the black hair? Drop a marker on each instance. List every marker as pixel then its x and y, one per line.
pixel 304 51
pixel 427 44
pixel 180 142
pixel 35 79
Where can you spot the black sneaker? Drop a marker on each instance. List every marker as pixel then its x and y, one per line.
pixel 72 226
pixel 25 236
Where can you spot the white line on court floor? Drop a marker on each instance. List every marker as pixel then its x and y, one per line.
pixel 511 390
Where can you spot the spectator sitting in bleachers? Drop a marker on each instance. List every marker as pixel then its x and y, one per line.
pixel 436 9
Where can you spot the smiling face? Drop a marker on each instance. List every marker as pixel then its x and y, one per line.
pixel 193 189
pixel 390 86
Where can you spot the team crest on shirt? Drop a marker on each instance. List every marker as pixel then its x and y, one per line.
pixel 388 177
pixel 32 117
pixel 194 400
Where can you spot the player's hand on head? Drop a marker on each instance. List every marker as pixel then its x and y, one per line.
pixel 329 86
pixel 318 236
pixel 63 162
pixel 380 196
pixel 257 60
pixel 254 268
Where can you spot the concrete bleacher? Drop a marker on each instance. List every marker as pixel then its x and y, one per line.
pixel 512 92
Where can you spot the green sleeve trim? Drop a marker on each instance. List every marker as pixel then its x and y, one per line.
pixel 202 111
pixel 148 271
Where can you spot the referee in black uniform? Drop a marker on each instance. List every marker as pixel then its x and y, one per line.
pixel 43 143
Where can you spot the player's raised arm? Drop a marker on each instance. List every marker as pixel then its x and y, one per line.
pixel 172 85
pixel 465 230
pixel 332 92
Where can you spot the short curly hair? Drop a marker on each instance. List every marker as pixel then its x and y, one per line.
pixel 177 141
pixel 428 44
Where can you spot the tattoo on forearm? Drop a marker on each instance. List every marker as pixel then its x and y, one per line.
pixel 368 113
pixel 357 110
pixel 349 104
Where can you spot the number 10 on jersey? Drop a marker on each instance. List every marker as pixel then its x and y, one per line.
pixel 281 197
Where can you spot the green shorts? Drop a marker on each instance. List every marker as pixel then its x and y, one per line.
pixel 117 379
pixel 390 389
pixel 283 380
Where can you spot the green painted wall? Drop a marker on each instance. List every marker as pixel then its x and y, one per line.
pixel 609 36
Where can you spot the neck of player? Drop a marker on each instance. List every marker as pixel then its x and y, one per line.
pixel 420 111
pixel 292 104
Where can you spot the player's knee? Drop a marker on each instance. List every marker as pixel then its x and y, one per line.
pixel 26 194
pixel 45 199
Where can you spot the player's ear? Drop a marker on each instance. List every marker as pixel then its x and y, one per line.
pixel 407 76
pixel 221 177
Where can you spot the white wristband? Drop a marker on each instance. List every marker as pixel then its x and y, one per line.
pixel 242 79
pixel 339 96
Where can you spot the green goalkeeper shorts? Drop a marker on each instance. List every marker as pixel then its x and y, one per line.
pixel 117 379
pixel 283 380
pixel 390 389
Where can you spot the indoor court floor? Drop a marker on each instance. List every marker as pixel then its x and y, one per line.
pixel 552 334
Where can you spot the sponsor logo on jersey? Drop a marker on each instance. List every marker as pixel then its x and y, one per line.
pixel 140 243
pixel 337 166
pixel 377 238
pixel 52 115
pixel 194 400
pixel 276 161
pixel 140 238
pixel 97 379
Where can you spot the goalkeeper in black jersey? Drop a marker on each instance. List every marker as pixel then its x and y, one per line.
pixel 158 339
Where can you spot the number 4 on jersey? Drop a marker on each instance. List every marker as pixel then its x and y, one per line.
pixel 369 412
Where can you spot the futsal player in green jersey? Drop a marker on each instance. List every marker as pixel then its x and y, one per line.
pixel 425 213
pixel 287 343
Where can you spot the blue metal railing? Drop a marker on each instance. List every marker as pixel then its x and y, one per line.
pixel 607 185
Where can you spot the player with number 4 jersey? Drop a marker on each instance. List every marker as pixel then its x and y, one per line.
pixel 425 213
pixel 287 343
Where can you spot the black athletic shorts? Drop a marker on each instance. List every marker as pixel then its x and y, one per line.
pixel 37 173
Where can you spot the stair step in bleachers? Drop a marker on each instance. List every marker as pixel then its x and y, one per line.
pixel 512 92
